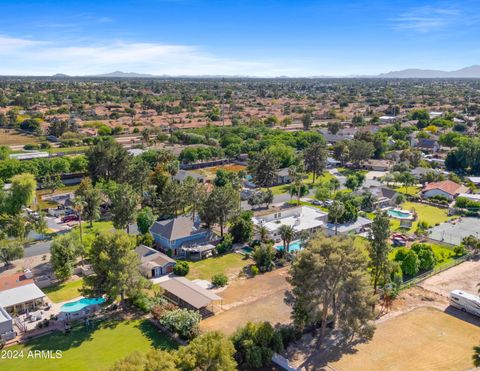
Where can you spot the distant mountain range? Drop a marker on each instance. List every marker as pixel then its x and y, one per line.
pixel 411 73
pixel 467 72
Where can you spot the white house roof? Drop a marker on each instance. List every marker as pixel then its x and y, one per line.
pixel 309 218
pixel 349 227
pixel 470 196
pixel 19 295
pixel 474 179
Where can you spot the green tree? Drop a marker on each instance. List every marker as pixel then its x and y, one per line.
pixel 22 192
pixel 116 267
pixel 181 268
pixel 52 182
pixel 124 202
pixel 145 219
pixel 153 360
pixel 287 233
pixel 108 160
pixel 241 227
pixel 476 356
pixel 92 199
pixel 264 256
pixel 65 250
pixel 255 344
pixel 330 283
pixel 410 264
pixel 307 121
pixel 359 151
pixel 10 250
pixel 263 168
pixel 379 249
pixel 315 158
pixel 335 213
pixel 220 206
pixel 211 351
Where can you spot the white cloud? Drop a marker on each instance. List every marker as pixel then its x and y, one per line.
pixel 23 56
pixel 427 18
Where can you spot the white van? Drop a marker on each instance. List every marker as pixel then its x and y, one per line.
pixel 466 302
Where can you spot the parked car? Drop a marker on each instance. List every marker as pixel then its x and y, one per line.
pixel 316 202
pixel 69 218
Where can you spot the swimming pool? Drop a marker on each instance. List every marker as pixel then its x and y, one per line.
pixel 294 246
pixel 75 306
pixel 400 214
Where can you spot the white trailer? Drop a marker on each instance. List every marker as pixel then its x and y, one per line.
pixel 465 302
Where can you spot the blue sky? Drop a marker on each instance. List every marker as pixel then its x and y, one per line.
pixel 242 37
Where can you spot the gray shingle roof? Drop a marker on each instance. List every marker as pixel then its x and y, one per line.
pixel 174 229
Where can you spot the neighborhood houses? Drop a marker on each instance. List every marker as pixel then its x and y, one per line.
pixel 207 224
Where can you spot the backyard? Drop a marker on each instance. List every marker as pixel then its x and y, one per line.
pixel 430 214
pixel 229 264
pixel 285 188
pixel 90 348
pixel 65 291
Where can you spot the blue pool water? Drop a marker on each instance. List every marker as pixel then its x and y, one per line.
pixel 294 246
pixel 75 306
pixel 399 214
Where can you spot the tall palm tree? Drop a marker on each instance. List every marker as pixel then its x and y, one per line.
pixel 335 212
pixel 263 233
pixel 286 234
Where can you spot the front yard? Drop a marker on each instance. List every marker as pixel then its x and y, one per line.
pixel 86 348
pixel 229 264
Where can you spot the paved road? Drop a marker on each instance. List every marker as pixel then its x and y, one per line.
pixel 38 248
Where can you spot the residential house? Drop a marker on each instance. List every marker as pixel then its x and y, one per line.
pixel 424 144
pixel 173 234
pixel 377 165
pixel 387 119
pixel 301 218
pixel 153 263
pixel 435 114
pixel 446 188
pixel 341 135
pixel 353 228
pixel 184 174
pixel 6 326
pixel 384 197
pixel 22 298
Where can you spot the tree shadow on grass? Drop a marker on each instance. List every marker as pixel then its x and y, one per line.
pixel 60 340
pixel 157 339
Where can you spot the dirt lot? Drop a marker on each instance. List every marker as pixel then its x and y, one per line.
pixel 423 339
pixel 464 276
pixel 253 299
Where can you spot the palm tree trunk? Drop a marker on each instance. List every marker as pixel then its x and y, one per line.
pixel 81 228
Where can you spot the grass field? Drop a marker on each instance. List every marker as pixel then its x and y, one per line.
pixel 423 339
pixel 12 138
pixel 90 349
pixel 64 292
pixel 410 190
pixel 430 214
pixel 281 189
pixel 228 264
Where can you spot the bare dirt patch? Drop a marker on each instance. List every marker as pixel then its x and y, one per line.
pixel 464 276
pixel 253 299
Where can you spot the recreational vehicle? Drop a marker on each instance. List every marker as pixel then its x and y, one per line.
pixel 465 302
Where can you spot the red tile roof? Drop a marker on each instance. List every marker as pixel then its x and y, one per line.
pixel 15 280
pixel 446 186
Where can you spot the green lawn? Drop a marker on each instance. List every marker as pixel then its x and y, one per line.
pixel 431 214
pixel 281 189
pixel 90 349
pixel 410 190
pixel 443 254
pixel 228 264
pixel 64 292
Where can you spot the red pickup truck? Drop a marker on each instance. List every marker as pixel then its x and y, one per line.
pixel 69 218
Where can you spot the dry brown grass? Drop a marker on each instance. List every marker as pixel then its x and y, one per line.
pixel 423 339
pixel 12 138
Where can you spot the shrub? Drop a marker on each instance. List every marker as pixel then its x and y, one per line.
pixel 459 250
pixel 181 268
pixel 225 245
pixel 184 322
pixel 255 344
pixel 410 265
pixel 219 280
pixel 426 256
pixel 255 270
